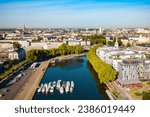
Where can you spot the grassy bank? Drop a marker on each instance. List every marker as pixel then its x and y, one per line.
pixel 105 71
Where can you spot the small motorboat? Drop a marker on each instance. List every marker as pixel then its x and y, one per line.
pixel 43 89
pixel 51 90
pixel 61 90
pixel 71 89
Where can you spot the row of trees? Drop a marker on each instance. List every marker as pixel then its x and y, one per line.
pixel 9 64
pixel 9 72
pixel 16 45
pixel 34 55
pixel 105 72
pixel 112 43
pixel 94 39
pixel 64 49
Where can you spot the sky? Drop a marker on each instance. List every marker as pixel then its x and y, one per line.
pixel 74 13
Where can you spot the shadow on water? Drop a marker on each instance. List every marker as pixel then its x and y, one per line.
pixel 70 64
pixel 101 87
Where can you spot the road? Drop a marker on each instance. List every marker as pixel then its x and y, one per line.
pixel 10 90
pixel 28 90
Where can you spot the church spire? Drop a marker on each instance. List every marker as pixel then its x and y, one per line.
pixel 116 43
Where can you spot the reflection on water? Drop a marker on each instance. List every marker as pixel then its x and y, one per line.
pixel 100 86
pixel 87 86
pixel 70 64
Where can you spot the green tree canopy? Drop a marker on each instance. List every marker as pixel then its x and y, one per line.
pixel 128 44
pixel 94 39
pixel 16 45
pixel 105 71
pixel 64 49
pixel 39 38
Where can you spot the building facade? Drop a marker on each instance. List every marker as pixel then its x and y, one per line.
pixel 17 54
pixel 132 65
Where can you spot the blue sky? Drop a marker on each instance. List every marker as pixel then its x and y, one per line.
pixel 74 13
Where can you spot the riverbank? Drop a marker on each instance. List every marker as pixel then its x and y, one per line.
pixel 30 87
pixel 104 71
pixel 66 57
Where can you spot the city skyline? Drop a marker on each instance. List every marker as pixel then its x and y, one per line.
pixel 74 13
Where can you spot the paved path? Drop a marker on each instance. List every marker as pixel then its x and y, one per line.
pixel 13 88
pixel 28 90
pixel 122 91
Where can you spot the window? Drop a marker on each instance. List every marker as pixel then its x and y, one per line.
pixel 16 56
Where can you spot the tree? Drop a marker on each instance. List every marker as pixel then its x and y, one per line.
pixel 105 72
pixel 9 63
pixel 53 52
pixel 110 43
pixel 148 56
pixel 146 95
pixel 128 44
pixel 94 39
pixel 114 41
pixel 63 49
pixel 79 49
pixel 16 45
pixel 39 38
pixel 31 55
pixel 120 42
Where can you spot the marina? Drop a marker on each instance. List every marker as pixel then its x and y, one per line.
pixel 72 79
pixel 61 86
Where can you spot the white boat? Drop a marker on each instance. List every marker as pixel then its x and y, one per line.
pixel 71 89
pixel 43 89
pixel 68 83
pixel 39 90
pixel 66 89
pixel 42 85
pixel 48 87
pixel 61 90
pixel 72 84
pixel 49 84
pixel 63 84
pixel 51 90
pixel 58 84
pixel 45 85
pixel 54 84
pixel 46 90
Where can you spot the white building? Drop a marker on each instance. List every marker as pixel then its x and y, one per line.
pixel 73 43
pixel 17 54
pixel 132 71
pixel 141 39
pixel 9 43
pixel 131 65
pixel 52 45
pixel 6 45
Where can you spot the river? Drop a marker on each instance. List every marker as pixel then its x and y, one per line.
pixel 79 70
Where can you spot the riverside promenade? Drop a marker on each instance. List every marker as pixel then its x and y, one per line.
pixel 28 90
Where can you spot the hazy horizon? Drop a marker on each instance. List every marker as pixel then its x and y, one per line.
pixel 74 13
